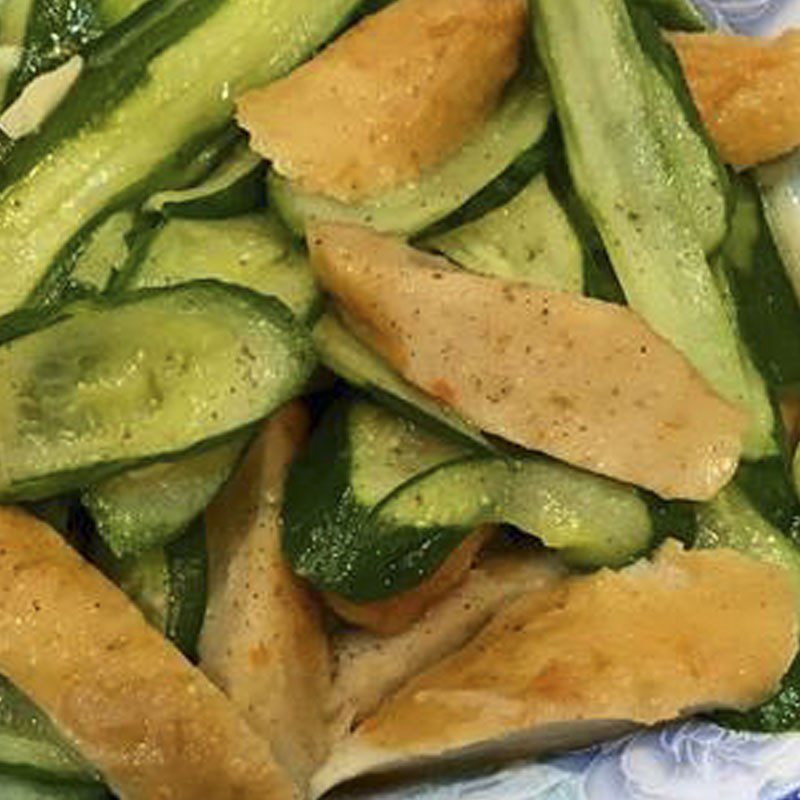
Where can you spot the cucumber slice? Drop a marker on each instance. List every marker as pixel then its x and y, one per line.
pixel 14 15
pixel 151 506
pixel 57 512
pixel 236 187
pixel 758 515
pixel 167 583
pixel 391 502
pixel 518 126
pixel 254 251
pixel 15 787
pixel 777 266
pixel 56 30
pixel 187 565
pixel 105 253
pixel 731 520
pixel 29 742
pixel 145 105
pixel 529 239
pixel 763 436
pixel 347 357
pixel 698 174
pixel 768 309
pixel 112 12
pixel 114 382
pixel 385 451
pixel 675 14
pixel 599 77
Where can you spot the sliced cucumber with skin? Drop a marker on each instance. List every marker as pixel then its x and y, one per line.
pixel 517 126
pixel 112 12
pixel 236 187
pixel 390 502
pixel 106 147
pixel 768 309
pixel 731 520
pixel 151 506
pixel 17 787
pixel 14 15
pixel 30 743
pixel 762 438
pixel 111 383
pixel 56 30
pixel 780 189
pixel 167 583
pixel 599 77
pixel 254 251
pixel 345 355
pixel 104 254
pixel 599 280
pixel 698 174
pixel 737 519
pixel 675 14
pixel 529 239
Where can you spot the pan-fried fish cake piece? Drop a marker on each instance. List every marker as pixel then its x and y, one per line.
pixel 691 631
pixel 747 91
pixel 263 642
pixel 584 381
pixel 150 722
pixel 397 614
pixel 369 668
pixel 394 96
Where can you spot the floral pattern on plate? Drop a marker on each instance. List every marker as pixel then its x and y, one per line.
pixel 753 17
pixel 689 761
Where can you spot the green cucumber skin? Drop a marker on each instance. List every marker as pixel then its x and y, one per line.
pixel 145 231
pixel 15 786
pixel 511 148
pixel 153 506
pixel 768 307
pixel 112 12
pixel 504 188
pixel 244 194
pixel 655 251
pixel 102 255
pixel 767 489
pixel 344 355
pixel 247 194
pixel 56 30
pixel 675 14
pixel 294 340
pixel 168 583
pixel 141 69
pixel 370 529
pixel 13 26
pixel 599 280
pixel 254 251
pixel 529 239
pixel 331 512
pixel 114 65
pixel 31 746
pixel 700 177
pixel 187 563
pixel 780 714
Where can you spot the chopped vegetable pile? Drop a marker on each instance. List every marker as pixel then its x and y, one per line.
pixel 384 379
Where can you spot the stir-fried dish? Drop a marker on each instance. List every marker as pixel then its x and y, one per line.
pixel 389 384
